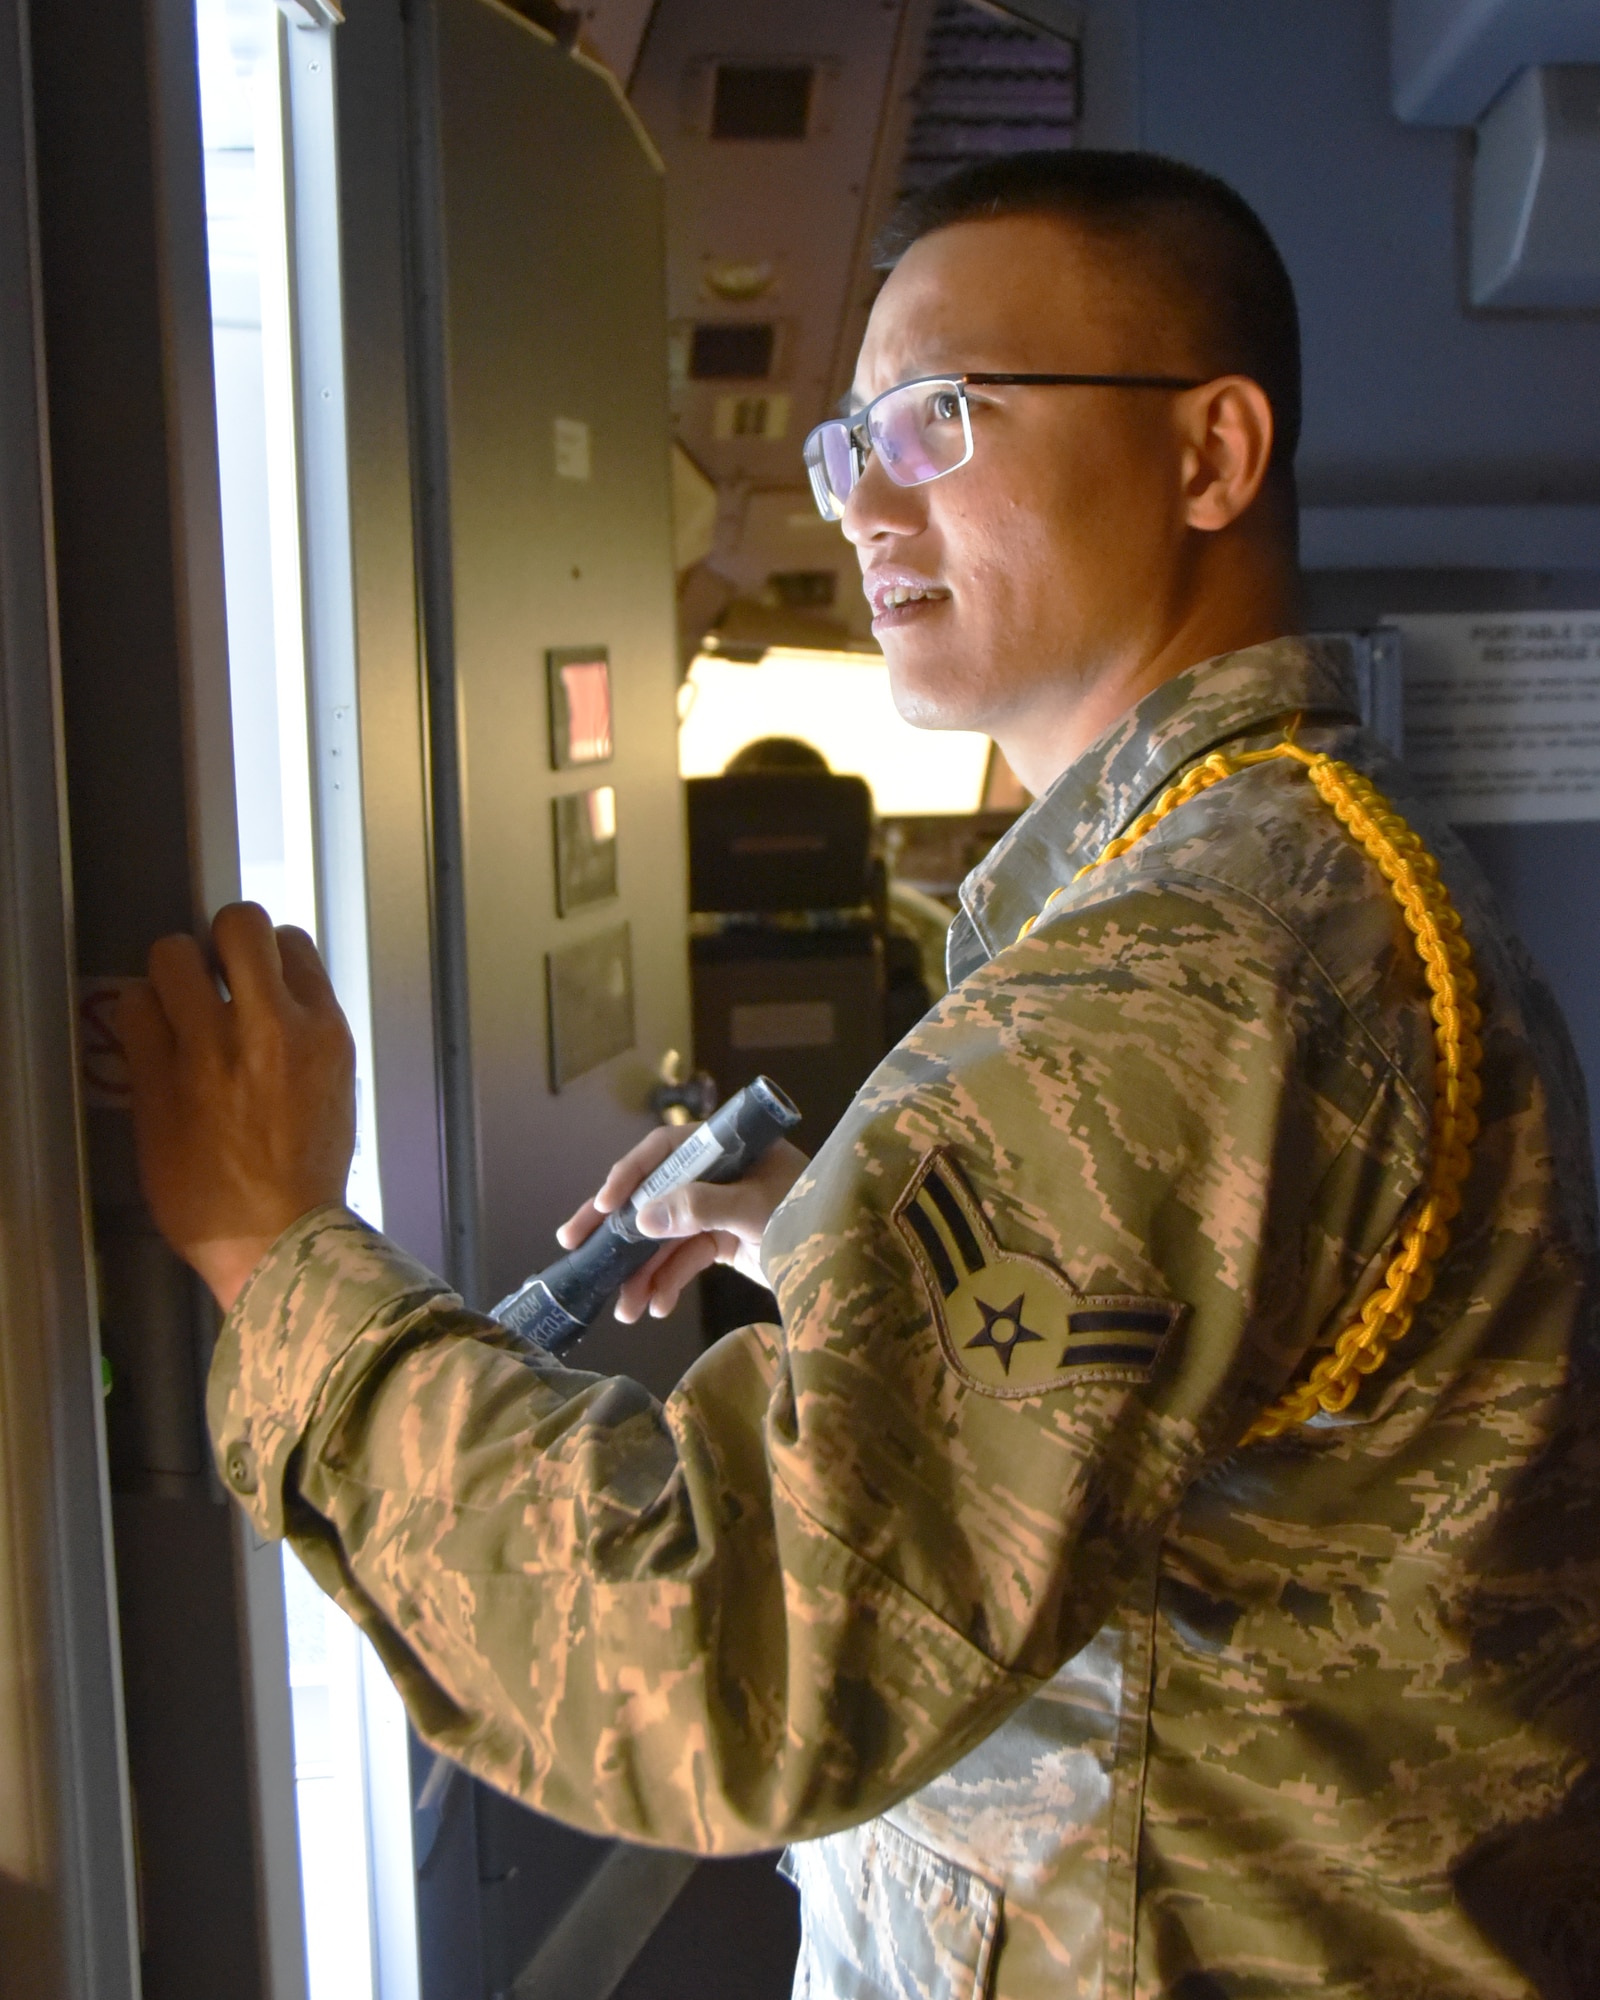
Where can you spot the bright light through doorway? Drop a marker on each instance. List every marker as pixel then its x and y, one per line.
pixel 254 371
pixel 266 115
pixel 840 704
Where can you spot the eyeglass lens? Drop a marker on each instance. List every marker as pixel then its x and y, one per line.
pixel 918 432
pixel 838 461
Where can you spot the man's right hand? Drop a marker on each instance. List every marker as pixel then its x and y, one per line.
pixel 244 1106
pixel 701 1224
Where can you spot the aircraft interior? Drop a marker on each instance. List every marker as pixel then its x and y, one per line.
pixel 404 525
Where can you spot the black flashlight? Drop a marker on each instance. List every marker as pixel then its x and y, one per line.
pixel 558 1304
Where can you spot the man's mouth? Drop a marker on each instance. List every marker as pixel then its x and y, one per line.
pixel 897 598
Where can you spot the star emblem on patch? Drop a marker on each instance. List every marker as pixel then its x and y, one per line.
pixel 1013 1324
pixel 995 1318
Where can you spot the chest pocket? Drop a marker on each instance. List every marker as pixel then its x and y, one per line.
pixel 884 1918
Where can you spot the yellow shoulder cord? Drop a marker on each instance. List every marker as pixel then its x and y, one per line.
pixel 1413 876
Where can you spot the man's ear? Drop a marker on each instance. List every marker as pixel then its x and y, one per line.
pixel 1227 440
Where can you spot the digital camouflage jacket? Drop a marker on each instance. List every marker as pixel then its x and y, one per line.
pixel 960 1581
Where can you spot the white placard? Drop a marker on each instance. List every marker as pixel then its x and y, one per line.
pixel 1502 714
pixel 687 1163
pixel 573 448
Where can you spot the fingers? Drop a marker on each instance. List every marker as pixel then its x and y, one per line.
pixel 660 1284
pixel 634 1296
pixel 182 985
pixel 304 973
pixel 623 1178
pixel 683 1266
pixel 636 1164
pixel 580 1224
pixel 702 1223
pixel 144 1030
pixel 243 1107
pixel 741 1208
pixel 705 1224
pixel 247 950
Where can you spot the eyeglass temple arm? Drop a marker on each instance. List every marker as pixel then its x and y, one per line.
pixel 1086 381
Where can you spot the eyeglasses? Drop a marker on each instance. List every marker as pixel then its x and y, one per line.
pixel 923 429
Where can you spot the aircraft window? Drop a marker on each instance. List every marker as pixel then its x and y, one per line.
pixel 276 344
pixel 252 358
pixel 731 352
pixel 761 101
pixel 841 705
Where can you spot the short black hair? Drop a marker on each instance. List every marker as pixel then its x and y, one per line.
pixel 1198 238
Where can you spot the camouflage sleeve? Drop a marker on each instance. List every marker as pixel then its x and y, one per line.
pixel 611 1610
pixel 1071 1237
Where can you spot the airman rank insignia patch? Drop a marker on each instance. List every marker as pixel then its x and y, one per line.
pixel 1012 1324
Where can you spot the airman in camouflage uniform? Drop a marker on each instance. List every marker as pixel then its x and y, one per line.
pixel 960 1581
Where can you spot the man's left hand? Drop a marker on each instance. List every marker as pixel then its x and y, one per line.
pixel 700 1224
pixel 244 1106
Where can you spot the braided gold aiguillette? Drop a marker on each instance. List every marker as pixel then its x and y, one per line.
pixel 1413 876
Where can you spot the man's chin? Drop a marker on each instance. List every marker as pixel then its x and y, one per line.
pixel 933 694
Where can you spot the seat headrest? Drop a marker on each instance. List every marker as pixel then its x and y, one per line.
pixel 779 840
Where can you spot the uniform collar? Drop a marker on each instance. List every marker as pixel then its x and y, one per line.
pixel 1234 695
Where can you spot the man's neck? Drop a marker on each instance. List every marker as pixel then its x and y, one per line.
pixel 1053 735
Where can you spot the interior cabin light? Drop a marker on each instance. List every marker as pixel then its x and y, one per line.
pixel 739 283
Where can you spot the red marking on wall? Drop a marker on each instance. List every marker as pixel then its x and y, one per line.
pixel 102 1061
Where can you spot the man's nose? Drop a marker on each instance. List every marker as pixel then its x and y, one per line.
pixel 878 509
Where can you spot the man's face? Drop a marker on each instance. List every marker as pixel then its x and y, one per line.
pixel 1054 555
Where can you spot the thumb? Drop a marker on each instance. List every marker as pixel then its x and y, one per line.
pixel 740 1208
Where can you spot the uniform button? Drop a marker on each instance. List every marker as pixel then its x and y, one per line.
pixel 241 1468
